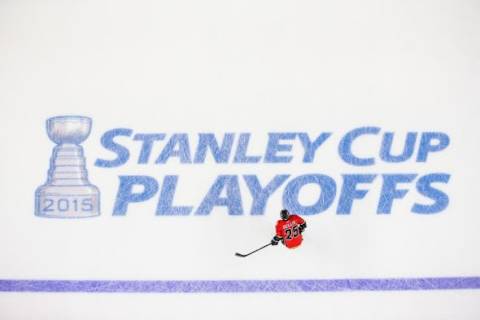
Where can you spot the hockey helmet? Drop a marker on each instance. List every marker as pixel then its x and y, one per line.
pixel 284 214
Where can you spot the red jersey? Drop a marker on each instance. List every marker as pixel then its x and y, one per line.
pixel 289 231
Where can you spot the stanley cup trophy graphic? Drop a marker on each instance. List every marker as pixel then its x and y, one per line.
pixel 67 192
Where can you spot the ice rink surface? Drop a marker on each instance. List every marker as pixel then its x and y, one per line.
pixel 256 67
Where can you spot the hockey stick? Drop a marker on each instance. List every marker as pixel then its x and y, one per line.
pixel 246 255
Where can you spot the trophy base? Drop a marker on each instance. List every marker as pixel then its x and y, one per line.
pixel 81 201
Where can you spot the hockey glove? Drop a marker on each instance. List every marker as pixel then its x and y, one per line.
pixel 303 226
pixel 275 240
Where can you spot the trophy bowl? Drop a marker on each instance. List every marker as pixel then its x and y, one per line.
pixel 68 129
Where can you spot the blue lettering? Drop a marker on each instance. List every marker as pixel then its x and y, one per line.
pixel 233 199
pixel 311 147
pixel 220 154
pixel 345 146
pixel 165 203
pixel 147 144
pixel 241 153
pixel 125 194
pixel 350 191
pixel 292 191
pixel 426 145
pixel 440 198
pixel 108 143
pixel 274 146
pixel 183 151
pixel 261 194
pixel 386 149
pixel 390 192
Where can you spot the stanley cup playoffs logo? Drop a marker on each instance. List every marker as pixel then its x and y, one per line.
pixel 67 192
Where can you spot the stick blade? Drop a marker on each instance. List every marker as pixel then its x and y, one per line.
pixel 240 255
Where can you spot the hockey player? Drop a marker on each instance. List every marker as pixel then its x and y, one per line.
pixel 289 230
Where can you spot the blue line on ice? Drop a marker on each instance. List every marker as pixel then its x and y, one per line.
pixel 237 286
